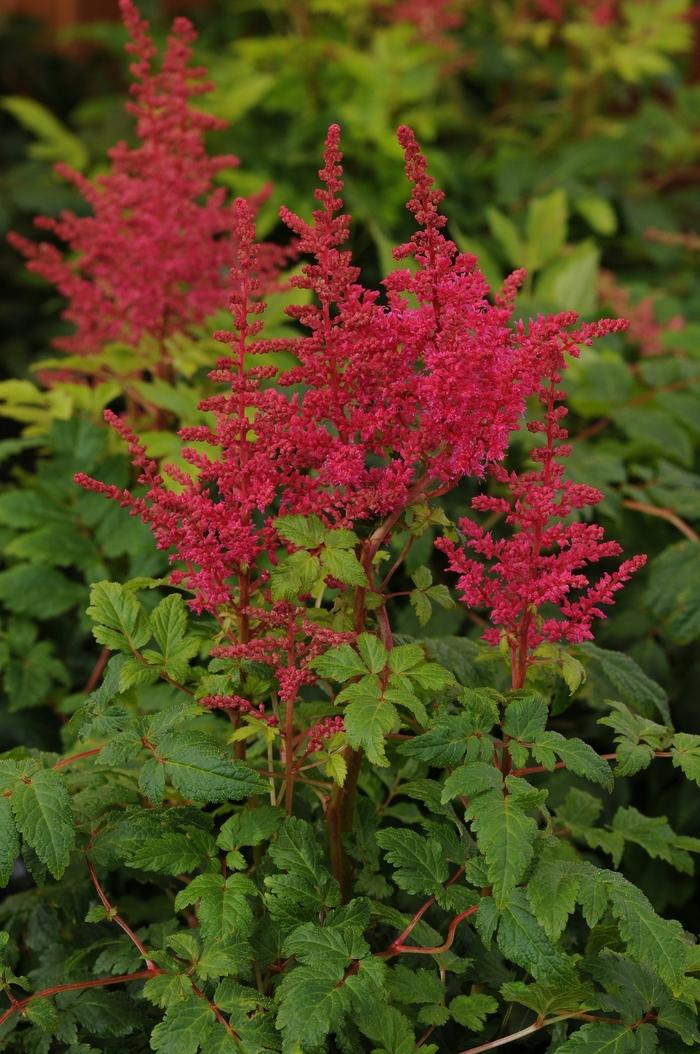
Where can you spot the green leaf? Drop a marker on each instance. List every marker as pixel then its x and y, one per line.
pixel 656 942
pixel 41 592
pixel 184 1028
pixel 405 658
pixel 546 228
pixel 343 565
pixel 223 908
pixel 523 941
pixel 388 1028
pixel 570 282
pixel 41 1012
pixel 685 754
pixel 169 625
pixel 620 677
pixel 373 652
pixel 196 765
pixel 579 758
pixel 315 998
pixel 506 233
pixel 525 718
pixel 552 892
pixel 250 826
pixel 476 777
pixel 419 862
pixel 306 532
pixel 9 841
pixel 42 811
pixel 121 623
pixel 307 888
pixel 54 141
pixel 447 741
pixel 598 1038
pixel 598 213
pixel 673 591
pixel 472 1010
pixel 339 664
pixel 368 717
pixel 505 835
pixel 295 574
pixel 656 837
pixel 170 853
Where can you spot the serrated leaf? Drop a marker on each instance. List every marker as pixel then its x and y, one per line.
pixel 620 677
pixel 552 893
pixel 339 664
pixel 170 853
pixel 405 657
pixel 673 591
pixel 474 778
pixel 685 754
pixel 184 1027
pixel 505 835
pixel 419 862
pixel 579 757
pixel 522 940
pixel 343 565
pixel 368 717
pixel 41 1012
pixel 373 652
pixel 655 836
pixel 306 532
pixel 472 1010
pixel 121 623
pixel 42 811
pixel 224 908
pixel 196 765
pixel 598 1038
pixel 250 826
pixel 294 575
pixel 657 942
pixel 9 841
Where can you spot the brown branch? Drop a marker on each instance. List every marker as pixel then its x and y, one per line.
pixel 97 671
pixel 19 1005
pixel 76 757
pixel 114 916
pixel 663 514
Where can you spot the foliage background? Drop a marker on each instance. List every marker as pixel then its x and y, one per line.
pixel 567 142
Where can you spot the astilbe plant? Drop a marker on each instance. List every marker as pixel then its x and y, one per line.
pixel 367 808
pixel 151 256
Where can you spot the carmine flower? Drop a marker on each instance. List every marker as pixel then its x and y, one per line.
pixel 152 257
pixel 208 519
pixel 395 401
pixel 534 581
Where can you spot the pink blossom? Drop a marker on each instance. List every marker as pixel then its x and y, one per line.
pixel 151 258
pixel 541 565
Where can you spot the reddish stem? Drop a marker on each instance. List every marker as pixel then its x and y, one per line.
pixel 19 1005
pixel 97 671
pixel 76 757
pixel 114 916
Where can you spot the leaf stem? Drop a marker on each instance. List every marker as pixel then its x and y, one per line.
pixel 114 916
pixel 19 1005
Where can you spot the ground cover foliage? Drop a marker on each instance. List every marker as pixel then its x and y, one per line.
pixel 351 583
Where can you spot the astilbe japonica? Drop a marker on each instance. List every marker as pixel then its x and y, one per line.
pixel 151 257
pixel 392 403
pixel 395 398
pixel 533 582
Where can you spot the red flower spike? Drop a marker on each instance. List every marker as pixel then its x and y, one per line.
pixel 542 564
pixel 149 260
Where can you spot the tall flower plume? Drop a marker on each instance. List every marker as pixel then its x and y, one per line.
pixel 152 257
pixel 534 582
